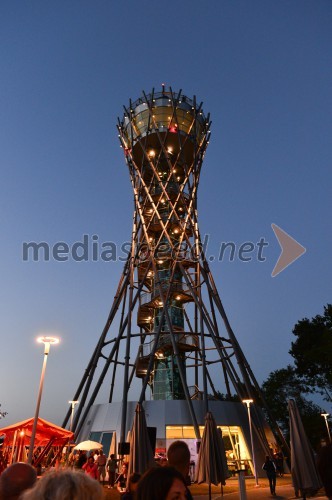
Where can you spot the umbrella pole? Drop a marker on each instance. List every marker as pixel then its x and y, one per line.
pixel 221 490
pixel 209 491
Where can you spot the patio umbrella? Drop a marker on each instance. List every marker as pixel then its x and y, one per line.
pixel 113 449
pixel 88 445
pixel 212 464
pixel 303 467
pixel 141 454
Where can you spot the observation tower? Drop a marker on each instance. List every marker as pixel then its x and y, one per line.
pixel 167 338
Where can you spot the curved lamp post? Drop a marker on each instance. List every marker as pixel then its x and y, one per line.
pixel 325 415
pixel 248 402
pixel 47 341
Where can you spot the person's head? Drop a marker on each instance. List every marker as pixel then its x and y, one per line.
pixel 161 483
pixel 124 468
pixel 178 456
pixel 17 478
pixel 112 456
pixel 91 460
pixel 133 482
pixel 65 484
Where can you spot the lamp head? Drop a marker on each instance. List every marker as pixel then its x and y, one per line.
pixel 47 341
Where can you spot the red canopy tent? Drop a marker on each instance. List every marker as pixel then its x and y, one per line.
pixel 17 437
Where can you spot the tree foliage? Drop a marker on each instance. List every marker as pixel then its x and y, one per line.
pixel 2 413
pixel 220 396
pixel 312 352
pixel 280 386
pixel 284 384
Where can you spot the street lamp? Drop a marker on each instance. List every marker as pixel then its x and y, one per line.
pixel 325 415
pixel 248 403
pixel 47 341
pixel 73 404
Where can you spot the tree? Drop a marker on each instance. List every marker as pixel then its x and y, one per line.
pixel 220 396
pixel 312 352
pixel 284 384
pixel 2 413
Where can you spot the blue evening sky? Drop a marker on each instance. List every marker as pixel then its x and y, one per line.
pixel 264 71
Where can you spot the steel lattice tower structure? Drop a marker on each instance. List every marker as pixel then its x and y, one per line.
pixel 171 326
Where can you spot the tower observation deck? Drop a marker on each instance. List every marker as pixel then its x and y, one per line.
pixel 167 332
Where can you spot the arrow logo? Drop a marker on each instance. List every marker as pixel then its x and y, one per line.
pixel 291 250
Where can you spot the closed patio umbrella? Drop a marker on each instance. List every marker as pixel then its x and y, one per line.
pixel 113 448
pixel 303 467
pixel 212 464
pixel 141 455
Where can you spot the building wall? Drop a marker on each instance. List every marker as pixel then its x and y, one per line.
pixel 159 414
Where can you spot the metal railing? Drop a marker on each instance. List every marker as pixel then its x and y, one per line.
pixel 176 287
pixel 165 339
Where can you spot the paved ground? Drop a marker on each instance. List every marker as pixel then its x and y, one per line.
pixel 283 492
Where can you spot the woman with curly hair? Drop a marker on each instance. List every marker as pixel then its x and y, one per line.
pixel 65 484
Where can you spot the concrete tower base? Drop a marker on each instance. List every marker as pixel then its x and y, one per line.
pixel 170 420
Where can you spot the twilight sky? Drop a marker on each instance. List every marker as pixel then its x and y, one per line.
pixel 264 71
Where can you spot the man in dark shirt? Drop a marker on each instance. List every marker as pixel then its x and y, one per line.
pixel 82 458
pixel 271 472
pixel 178 456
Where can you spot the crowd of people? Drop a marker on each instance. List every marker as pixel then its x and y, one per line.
pixel 96 466
pixel 84 480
